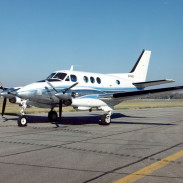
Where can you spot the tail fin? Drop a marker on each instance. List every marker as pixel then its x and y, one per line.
pixel 139 70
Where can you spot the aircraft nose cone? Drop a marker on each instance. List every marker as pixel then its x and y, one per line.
pixel 4 94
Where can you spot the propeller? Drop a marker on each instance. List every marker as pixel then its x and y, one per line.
pixel 51 85
pixel 5 99
pixel 60 109
pixel 61 100
pixel 6 93
pixel 4 105
pixel 70 87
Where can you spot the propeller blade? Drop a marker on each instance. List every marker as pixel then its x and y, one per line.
pixel 51 85
pixel 4 105
pixel 1 86
pixel 60 109
pixel 13 92
pixel 70 87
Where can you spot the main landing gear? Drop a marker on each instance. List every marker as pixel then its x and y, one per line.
pixel 52 116
pixel 106 119
pixel 22 120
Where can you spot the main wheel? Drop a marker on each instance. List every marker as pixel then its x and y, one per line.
pixel 52 116
pixel 105 119
pixel 22 121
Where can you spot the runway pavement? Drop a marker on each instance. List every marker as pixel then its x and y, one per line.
pixel 80 150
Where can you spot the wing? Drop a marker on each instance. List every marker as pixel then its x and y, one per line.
pixel 119 97
pixel 152 83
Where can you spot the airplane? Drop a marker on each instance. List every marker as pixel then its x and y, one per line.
pixel 85 91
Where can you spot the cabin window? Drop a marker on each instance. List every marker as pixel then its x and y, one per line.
pixel 85 78
pixel 98 80
pixel 73 78
pixel 67 79
pixel 117 82
pixel 92 79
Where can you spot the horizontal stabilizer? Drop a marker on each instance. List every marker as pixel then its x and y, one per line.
pixel 152 83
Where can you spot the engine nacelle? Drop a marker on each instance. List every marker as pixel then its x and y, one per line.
pixel 15 100
pixel 63 96
pixel 67 102
pixel 67 98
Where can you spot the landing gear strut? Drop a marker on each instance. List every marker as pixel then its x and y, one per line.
pixel 106 119
pixel 22 120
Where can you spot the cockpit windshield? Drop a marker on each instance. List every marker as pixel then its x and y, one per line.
pixel 59 76
pixel 51 75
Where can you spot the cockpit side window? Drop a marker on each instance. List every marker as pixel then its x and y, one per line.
pixel 67 78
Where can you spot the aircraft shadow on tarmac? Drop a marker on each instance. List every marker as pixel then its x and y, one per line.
pixel 5 119
pixel 141 123
pixel 119 115
pixel 81 120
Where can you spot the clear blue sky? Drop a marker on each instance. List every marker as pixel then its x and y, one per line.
pixel 41 36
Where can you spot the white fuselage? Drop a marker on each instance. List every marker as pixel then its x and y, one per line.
pixel 89 86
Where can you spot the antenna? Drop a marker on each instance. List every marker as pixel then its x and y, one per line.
pixel 72 67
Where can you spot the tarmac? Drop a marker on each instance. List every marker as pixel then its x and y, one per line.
pixel 79 150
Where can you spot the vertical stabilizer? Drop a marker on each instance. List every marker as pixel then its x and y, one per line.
pixel 139 70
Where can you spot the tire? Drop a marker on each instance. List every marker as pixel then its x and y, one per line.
pixel 105 119
pixel 22 121
pixel 52 116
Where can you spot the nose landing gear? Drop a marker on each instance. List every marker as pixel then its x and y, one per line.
pixel 22 120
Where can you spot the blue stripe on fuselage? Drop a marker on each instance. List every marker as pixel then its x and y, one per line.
pixel 95 90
